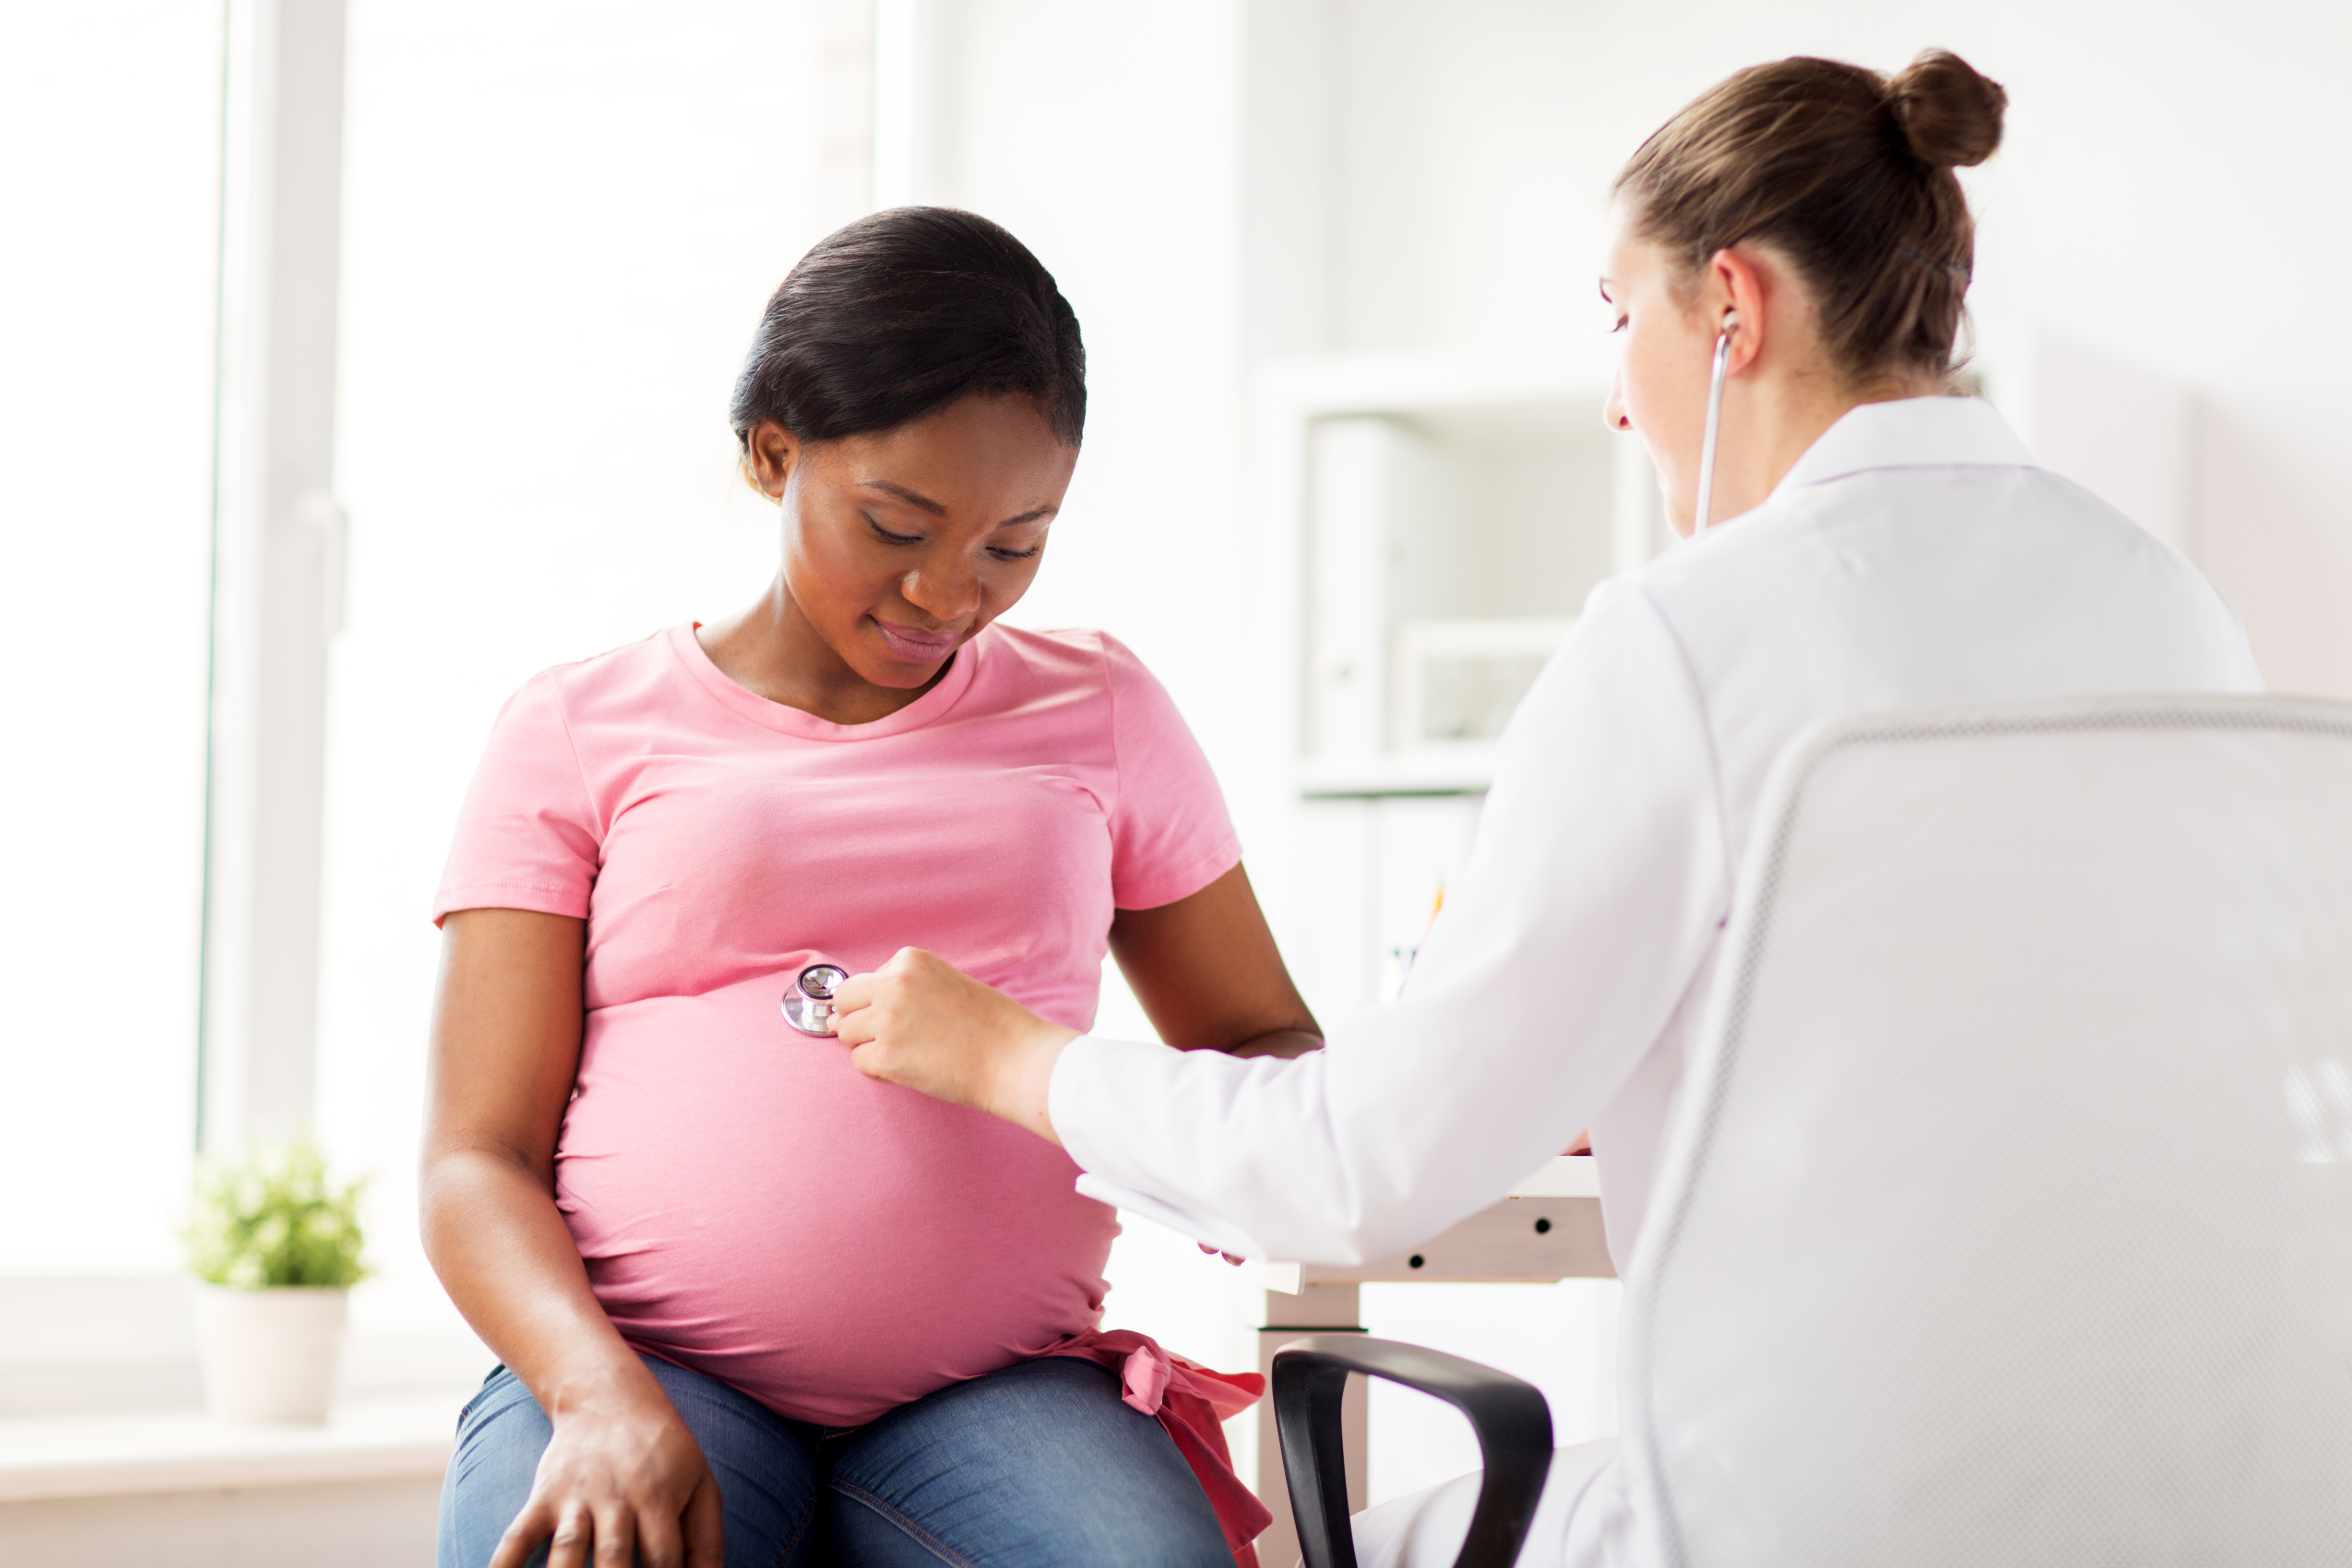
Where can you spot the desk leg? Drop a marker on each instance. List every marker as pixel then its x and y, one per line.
pixel 1317 1309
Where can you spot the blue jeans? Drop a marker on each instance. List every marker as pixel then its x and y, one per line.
pixel 1038 1465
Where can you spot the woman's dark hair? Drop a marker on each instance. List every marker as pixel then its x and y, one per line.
pixel 899 315
pixel 1846 173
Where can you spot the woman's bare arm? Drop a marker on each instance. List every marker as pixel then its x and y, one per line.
pixel 621 1472
pixel 1209 977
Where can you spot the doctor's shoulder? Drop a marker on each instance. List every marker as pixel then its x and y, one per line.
pixel 1623 640
pixel 2117 555
pixel 1727 561
pixel 2077 509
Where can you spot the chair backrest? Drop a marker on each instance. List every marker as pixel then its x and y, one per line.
pixel 2008 1219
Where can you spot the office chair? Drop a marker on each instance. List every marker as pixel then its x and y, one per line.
pixel 2008 1216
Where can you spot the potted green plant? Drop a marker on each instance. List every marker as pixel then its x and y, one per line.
pixel 275 1248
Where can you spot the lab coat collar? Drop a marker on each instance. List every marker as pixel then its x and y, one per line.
pixel 1909 433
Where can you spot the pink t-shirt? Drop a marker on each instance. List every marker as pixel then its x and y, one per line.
pixel 747 1204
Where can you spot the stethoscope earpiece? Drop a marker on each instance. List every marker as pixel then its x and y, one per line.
pixel 808 1005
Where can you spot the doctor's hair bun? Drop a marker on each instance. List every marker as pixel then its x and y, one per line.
pixel 1847 176
pixel 901 313
pixel 1950 114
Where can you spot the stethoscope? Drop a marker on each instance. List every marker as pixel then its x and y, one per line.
pixel 1714 425
pixel 808 1004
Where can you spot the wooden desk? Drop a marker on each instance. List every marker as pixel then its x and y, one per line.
pixel 1548 1229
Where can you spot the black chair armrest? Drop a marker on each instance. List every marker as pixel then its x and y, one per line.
pixel 1513 1424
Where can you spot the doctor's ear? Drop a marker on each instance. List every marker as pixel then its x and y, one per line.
pixel 1734 290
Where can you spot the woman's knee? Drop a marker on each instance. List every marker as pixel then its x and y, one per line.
pixel 1042 1464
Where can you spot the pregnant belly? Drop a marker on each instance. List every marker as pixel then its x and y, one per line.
pixel 750 1206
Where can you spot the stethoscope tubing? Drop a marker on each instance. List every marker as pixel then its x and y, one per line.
pixel 1704 503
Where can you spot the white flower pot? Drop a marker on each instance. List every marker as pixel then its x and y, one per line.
pixel 270 1355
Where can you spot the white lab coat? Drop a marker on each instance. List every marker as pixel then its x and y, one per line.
pixel 1913 555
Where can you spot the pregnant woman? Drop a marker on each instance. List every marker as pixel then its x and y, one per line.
pixel 753 1307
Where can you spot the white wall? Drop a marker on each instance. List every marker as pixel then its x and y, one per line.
pixel 2165 194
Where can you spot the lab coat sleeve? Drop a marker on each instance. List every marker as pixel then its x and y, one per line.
pixel 1596 883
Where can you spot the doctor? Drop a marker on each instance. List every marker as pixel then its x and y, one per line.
pixel 1878 542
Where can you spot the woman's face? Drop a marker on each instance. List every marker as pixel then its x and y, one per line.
pixel 1661 372
pixel 901 545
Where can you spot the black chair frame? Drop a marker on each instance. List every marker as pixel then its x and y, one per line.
pixel 1511 1420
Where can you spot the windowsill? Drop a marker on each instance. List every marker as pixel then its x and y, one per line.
pixel 137 1453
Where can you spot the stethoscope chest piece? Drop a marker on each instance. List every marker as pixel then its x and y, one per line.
pixel 808 1004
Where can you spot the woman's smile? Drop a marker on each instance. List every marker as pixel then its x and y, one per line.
pixel 914 645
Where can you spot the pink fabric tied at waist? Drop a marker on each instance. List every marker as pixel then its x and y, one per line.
pixel 1193 1403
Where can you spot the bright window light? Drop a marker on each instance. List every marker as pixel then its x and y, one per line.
pixel 112 117
pixel 557 241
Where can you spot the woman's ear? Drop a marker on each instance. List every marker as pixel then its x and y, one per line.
pixel 769 453
pixel 1737 283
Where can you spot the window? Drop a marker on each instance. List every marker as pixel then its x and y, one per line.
pixel 556 242
pixel 106 312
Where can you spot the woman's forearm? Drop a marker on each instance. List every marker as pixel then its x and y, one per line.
pixel 508 1261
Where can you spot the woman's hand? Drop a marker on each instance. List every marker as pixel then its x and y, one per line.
pixel 622 1482
pixel 921 1022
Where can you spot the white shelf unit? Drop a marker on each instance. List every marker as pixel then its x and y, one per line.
pixel 1432 524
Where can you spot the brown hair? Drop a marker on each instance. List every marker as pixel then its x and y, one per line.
pixel 1847 173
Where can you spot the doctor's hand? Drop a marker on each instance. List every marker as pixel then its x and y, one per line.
pixel 920 1021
